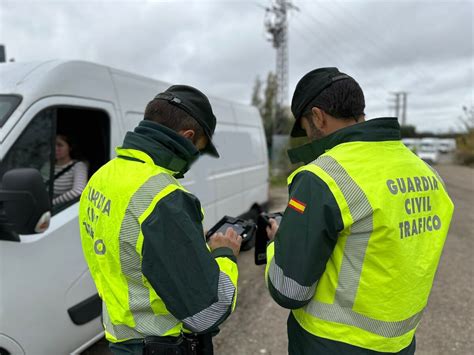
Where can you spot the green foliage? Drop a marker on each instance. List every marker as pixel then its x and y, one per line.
pixel 284 120
pixel 465 142
pixel 276 121
pixel 256 93
pixel 278 180
pixel 264 98
pixel 408 132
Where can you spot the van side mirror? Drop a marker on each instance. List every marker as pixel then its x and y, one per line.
pixel 25 201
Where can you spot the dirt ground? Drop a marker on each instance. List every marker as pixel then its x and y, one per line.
pixel 259 325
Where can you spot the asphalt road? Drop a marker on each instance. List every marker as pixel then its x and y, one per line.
pixel 259 325
pixel 447 326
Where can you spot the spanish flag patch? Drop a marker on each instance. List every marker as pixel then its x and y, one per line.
pixel 298 206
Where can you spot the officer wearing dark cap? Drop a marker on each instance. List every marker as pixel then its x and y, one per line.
pixel 164 290
pixel 356 251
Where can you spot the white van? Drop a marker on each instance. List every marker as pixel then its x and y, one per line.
pixel 447 145
pixel 429 150
pixel 48 302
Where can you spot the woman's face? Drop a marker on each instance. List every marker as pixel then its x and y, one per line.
pixel 62 149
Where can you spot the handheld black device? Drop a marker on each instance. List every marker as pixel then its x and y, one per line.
pixel 242 227
pixel 261 239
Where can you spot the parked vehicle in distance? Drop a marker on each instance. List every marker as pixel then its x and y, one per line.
pixel 447 145
pixel 412 143
pixel 48 301
pixel 428 150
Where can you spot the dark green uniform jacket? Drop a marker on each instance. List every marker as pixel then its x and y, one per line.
pixel 312 242
pixel 174 261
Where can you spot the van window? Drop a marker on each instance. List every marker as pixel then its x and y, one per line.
pixel 8 104
pixel 89 129
pixel 34 148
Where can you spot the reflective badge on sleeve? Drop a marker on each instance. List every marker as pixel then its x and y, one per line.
pixel 298 206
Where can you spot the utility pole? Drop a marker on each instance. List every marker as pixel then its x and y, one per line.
pixel 400 101
pixel 3 55
pixel 404 111
pixel 276 23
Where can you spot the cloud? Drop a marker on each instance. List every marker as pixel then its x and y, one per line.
pixel 422 47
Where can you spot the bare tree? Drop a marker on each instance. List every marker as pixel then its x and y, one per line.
pixel 465 141
pixel 266 104
pixel 467 119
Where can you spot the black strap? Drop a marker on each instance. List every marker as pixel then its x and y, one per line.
pixel 62 172
pixel 65 170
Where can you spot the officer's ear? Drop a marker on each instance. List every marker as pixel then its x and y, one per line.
pixel 188 134
pixel 319 118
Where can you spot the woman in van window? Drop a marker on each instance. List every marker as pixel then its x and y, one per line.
pixel 70 174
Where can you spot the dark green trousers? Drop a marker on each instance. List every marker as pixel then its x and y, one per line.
pixel 135 347
pixel 130 347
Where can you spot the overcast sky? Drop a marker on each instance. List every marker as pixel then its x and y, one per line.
pixel 422 47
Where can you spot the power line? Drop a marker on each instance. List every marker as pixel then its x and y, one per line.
pixel 377 50
pixel 303 34
pixel 337 37
pixel 328 47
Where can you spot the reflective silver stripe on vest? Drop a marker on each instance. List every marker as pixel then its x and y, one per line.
pixel 361 229
pixel 118 331
pixel 338 314
pixel 206 318
pixel 146 322
pixel 352 262
pixel 287 286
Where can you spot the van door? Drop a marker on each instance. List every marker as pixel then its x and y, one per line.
pixel 49 303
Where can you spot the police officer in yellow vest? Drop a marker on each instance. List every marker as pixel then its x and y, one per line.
pixel 358 246
pixel 164 290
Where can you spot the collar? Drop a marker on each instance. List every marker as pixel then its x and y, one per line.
pixel 375 130
pixel 165 147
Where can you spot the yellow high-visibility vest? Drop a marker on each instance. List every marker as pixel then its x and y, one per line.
pixel 116 201
pixel 396 215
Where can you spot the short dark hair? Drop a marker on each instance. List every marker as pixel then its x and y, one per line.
pixel 344 99
pixel 172 117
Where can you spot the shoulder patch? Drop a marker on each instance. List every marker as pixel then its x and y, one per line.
pixel 297 205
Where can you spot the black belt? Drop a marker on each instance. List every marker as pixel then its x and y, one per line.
pixel 185 344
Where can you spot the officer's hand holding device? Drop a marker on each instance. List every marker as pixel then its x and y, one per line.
pixel 273 225
pixel 229 232
pixel 229 240
pixel 242 227
pixel 267 226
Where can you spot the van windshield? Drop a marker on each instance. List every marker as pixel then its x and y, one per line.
pixel 8 104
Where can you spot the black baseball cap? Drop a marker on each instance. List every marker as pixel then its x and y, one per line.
pixel 196 104
pixel 308 88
